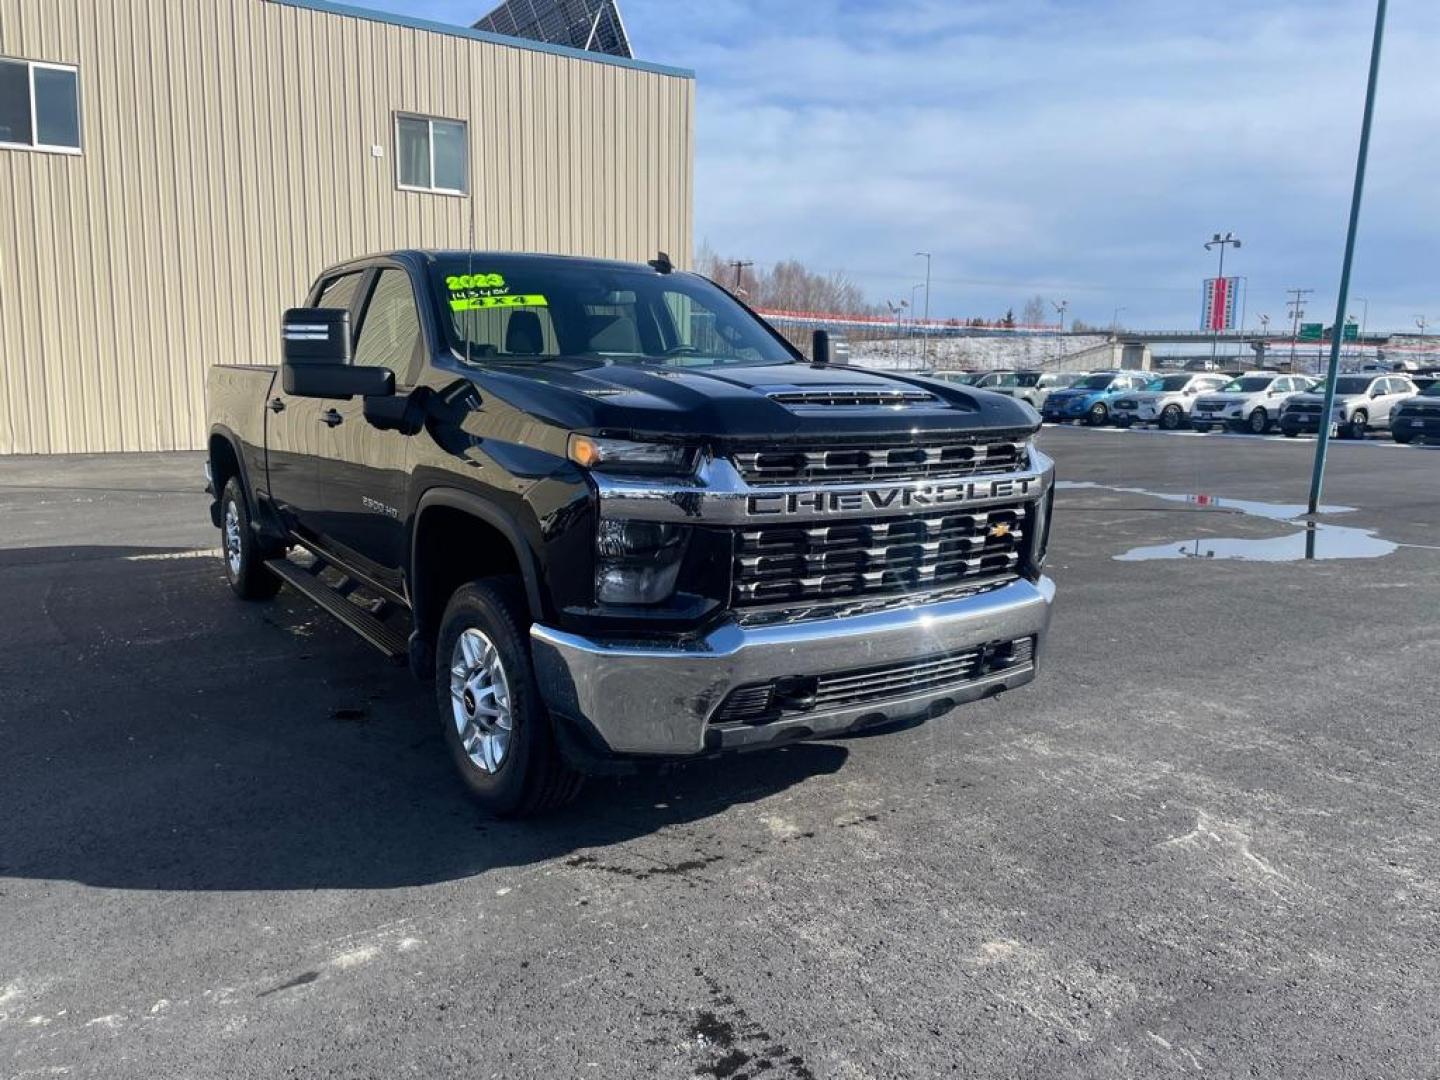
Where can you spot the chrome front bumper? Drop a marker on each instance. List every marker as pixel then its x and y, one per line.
pixel 646 699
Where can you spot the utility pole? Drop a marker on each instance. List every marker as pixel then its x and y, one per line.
pixel 739 265
pixel 914 324
pixel 1297 312
pixel 1422 322
pixel 1062 307
pixel 1115 319
pixel 1322 443
pixel 1222 242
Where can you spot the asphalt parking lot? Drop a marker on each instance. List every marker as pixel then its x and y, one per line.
pixel 1205 841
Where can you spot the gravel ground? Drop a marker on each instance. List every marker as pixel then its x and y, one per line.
pixel 1203 841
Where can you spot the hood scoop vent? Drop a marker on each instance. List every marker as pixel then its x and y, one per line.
pixel 853 397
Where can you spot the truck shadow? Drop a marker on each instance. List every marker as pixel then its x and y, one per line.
pixel 156 733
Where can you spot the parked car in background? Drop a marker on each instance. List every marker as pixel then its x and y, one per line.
pixel 1417 417
pixel 1034 386
pixel 1090 398
pixel 963 378
pixel 989 380
pixel 1251 402
pixel 1164 402
pixel 1362 402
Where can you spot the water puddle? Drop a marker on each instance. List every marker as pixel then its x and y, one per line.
pixel 1313 541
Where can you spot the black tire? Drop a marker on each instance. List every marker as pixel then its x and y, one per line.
pixel 1402 437
pixel 1171 417
pixel 1289 434
pixel 1259 422
pixel 1203 429
pixel 241 551
pixel 532 777
pixel 1357 426
pixel 1098 415
pixel 1124 421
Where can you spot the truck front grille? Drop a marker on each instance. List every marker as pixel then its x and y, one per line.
pixel 853 398
pixel 840 461
pixel 1306 406
pixel 760 703
pixel 789 563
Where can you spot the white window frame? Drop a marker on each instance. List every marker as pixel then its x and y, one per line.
pixel 47 148
pixel 430 136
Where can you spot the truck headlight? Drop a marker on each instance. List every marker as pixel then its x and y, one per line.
pixel 637 562
pixel 636 458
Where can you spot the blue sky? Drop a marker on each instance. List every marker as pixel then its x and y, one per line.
pixel 1082 149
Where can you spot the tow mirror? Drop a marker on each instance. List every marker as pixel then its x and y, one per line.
pixel 318 362
pixel 829 348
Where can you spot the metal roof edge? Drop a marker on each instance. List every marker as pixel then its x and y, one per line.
pixel 329 7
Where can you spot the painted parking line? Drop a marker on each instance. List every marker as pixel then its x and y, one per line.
pixel 1299 440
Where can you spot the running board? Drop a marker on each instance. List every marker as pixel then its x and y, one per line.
pixel 390 642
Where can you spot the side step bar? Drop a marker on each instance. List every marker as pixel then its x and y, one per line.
pixel 390 642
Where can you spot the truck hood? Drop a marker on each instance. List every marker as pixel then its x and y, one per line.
pixel 745 402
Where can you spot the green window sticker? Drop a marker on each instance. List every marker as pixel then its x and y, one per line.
pixel 459 282
pixel 475 303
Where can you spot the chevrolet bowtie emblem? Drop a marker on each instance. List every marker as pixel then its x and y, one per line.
pixel 1000 529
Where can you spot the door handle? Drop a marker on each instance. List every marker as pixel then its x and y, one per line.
pixel 277 405
pixel 330 418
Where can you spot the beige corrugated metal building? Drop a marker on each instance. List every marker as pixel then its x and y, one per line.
pixel 229 149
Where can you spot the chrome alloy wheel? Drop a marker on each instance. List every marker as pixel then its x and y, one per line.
pixel 233 551
pixel 480 700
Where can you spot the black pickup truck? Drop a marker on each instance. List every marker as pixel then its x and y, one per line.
pixel 616 517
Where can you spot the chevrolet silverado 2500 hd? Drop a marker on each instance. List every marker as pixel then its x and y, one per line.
pixel 614 516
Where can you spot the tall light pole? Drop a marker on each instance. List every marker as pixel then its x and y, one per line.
pixel 926 256
pixel 1062 307
pixel 1115 318
pixel 1422 322
pixel 1222 242
pixel 1322 444
pixel 1364 316
pixel 913 323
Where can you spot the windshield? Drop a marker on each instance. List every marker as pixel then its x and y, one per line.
pixel 1252 385
pixel 1026 378
pixel 520 309
pixel 1433 390
pixel 1095 382
pixel 1350 384
pixel 1169 382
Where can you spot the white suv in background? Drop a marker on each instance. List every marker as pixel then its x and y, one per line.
pixel 1362 402
pixel 1165 401
pixel 1251 402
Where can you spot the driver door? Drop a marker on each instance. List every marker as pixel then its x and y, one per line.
pixel 363 472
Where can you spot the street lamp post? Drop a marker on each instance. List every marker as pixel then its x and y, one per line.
pixel 1062 307
pixel 926 256
pixel 1222 242
pixel 1115 318
pixel 913 323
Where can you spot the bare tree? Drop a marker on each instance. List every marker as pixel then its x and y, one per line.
pixel 1035 311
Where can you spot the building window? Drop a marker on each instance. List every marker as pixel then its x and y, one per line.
pixel 39 106
pixel 430 154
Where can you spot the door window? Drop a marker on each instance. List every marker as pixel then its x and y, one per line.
pixel 390 333
pixel 339 292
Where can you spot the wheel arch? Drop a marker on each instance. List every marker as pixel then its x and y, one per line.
pixel 493 540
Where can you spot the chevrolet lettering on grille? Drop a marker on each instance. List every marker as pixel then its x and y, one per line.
pixel 822 502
